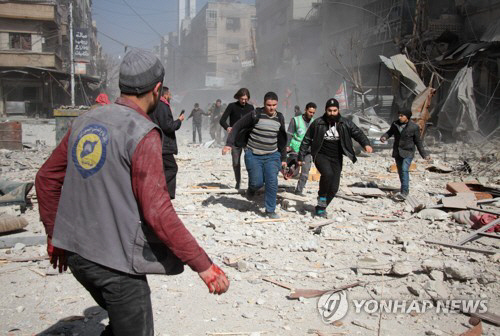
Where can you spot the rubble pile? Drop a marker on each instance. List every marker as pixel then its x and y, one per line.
pixel 373 243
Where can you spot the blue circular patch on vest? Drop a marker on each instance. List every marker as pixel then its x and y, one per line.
pixel 301 131
pixel 89 150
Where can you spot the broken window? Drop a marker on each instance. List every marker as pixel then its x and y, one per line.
pixel 211 18
pixel 20 41
pixel 233 23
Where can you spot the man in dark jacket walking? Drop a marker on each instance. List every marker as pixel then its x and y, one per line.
pixel 406 137
pixel 197 115
pixel 328 139
pixel 263 134
pixel 234 112
pixel 162 116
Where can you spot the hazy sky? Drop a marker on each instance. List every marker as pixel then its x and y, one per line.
pixel 117 20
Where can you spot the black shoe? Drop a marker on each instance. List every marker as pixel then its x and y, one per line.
pixel 250 193
pixel 237 186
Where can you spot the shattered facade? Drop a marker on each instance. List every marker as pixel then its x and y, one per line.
pixel 216 48
pixel 35 56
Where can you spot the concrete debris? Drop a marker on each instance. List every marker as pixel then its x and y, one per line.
pixel 368 240
pixel 458 271
pixel 432 214
pixel 402 268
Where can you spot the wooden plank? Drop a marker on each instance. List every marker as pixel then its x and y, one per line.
pixel 211 191
pixel 460 247
pixel 277 283
pixel 292 197
pixel 489 235
pixel 491 200
pixel 489 317
pixel 312 293
pixel 321 224
pixel 367 191
pixel 485 211
pixel 474 235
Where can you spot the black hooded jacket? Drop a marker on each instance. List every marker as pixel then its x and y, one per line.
pixel 162 116
pixel 315 134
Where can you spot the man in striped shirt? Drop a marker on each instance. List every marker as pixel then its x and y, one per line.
pixel 262 132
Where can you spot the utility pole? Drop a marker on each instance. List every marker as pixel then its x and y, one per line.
pixel 72 61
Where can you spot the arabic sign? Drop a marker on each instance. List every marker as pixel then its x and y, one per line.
pixel 81 44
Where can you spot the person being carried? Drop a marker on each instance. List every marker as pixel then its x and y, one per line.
pixel 262 133
pixel 328 139
pixel 162 116
pixel 104 203
pixel 406 137
pixel 235 111
pixel 296 131
pixel 197 114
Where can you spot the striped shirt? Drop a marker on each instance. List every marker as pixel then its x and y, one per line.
pixel 264 136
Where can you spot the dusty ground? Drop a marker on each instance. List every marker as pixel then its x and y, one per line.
pixel 36 300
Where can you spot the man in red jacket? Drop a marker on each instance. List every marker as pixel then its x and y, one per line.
pixel 104 203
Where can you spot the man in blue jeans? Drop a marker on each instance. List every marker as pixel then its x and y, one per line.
pixel 406 137
pixel 263 135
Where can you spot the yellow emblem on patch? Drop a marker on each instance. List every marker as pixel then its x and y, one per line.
pixel 89 151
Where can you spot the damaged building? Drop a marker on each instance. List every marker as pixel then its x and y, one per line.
pixel 312 50
pixel 35 56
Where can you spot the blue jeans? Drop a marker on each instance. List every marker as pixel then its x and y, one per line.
pixel 264 169
pixel 403 165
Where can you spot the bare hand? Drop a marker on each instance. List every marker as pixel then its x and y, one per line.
pixel 229 129
pixel 182 117
pixel 283 165
pixel 368 149
pixel 226 150
pixel 383 139
pixel 300 163
pixel 288 149
pixel 57 256
pixel 215 279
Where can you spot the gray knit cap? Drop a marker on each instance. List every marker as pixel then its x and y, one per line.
pixel 140 71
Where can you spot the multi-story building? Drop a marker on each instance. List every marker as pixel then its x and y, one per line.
pixel 287 41
pixel 218 47
pixel 34 56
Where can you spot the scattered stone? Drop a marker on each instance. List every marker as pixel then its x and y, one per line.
pixel 432 214
pixel 458 271
pixel 402 268
pixel 434 332
pixel 436 275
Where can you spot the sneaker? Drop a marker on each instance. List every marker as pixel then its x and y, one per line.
pixel 272 215
pixel 321 213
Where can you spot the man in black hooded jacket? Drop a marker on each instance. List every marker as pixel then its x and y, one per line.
pixel 328 139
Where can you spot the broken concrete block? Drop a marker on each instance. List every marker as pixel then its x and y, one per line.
pixel 436 275
pixel 432 264
pixel 432 214
pixel 458 271
pixel 402 268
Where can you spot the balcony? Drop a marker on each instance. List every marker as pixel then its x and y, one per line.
pixel 19 58
pixel 30 11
